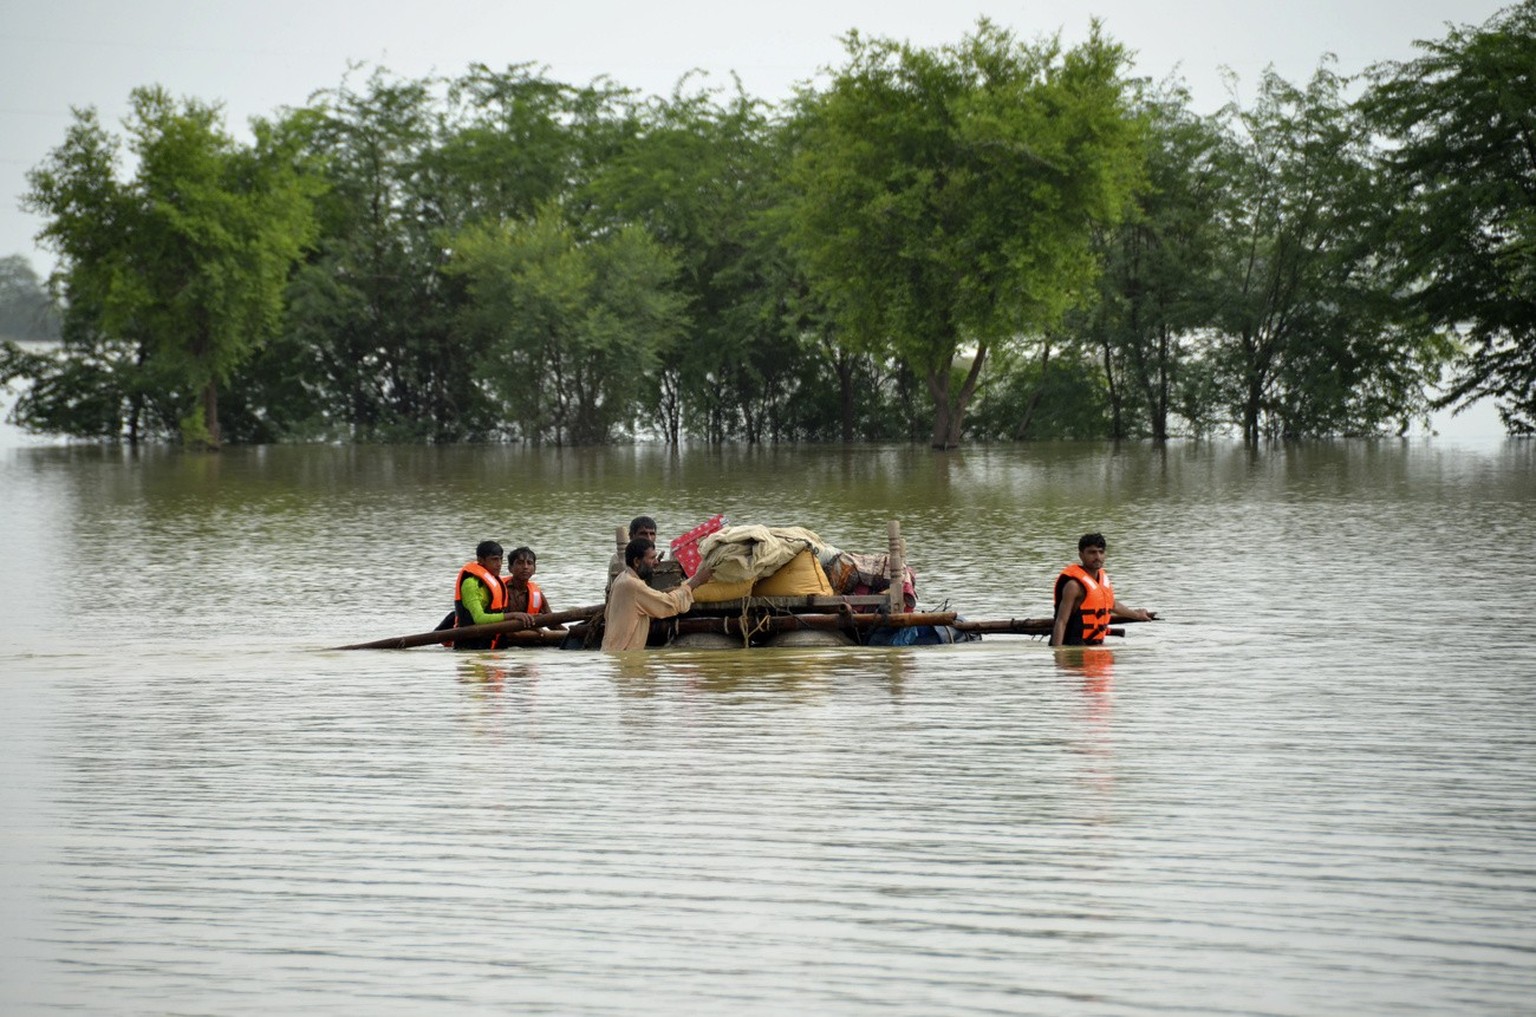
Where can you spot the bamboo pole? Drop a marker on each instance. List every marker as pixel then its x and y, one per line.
pixel 476 631
pixel 1024 626
pixel 734 625
pixel 895 563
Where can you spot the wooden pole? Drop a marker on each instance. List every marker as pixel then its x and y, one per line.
pixel 476 631
pixel 734 624
pixel 896 567
pixel 1023 626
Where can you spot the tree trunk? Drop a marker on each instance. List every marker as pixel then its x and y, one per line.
pixel 1028 418
pixel 844 365
pixel 1251 408
pixel 938 388
pixel 1160 399
pixel 211 415
pixel 949 406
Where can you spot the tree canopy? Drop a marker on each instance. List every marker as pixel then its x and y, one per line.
pixel 986 240
pixel 944 198
pixel 1461 120
pixel 173 277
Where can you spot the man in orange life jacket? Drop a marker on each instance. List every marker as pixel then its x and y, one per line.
pixel 1085 599
pixel 480 596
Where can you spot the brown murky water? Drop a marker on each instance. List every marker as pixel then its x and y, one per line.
pixel 1309 790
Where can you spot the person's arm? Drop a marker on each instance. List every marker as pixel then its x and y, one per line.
pixel 545 607
pixel 474 594
pixel 1131 613
pixel 659 604
pixel 1072 594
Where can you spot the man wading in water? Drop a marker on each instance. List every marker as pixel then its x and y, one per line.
pixel 632 603
pixel 1085 599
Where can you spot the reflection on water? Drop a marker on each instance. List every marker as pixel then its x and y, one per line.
pixel 1306 791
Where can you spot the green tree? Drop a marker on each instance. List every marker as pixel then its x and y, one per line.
pixel 944 197
pixel 175 276
pixel 1461 120
pixel 369 304
pixel 1307 334
pixel 1154 294
pixel 700 175
pixel 412 165
pixel 571 327
pixel 26 311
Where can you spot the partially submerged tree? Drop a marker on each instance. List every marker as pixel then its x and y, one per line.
pixel 1308 334
pixel 571 327
pixel 1461 120
pixel 1155 293
pixel 172 277
pixel 945 196
pixel 26 312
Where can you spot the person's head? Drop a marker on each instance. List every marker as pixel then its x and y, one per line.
pixel 522 563
pixel 640 555
pixel 642 528
pixel 488 551
pixel 1090 549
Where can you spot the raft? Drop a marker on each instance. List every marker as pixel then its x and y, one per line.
pixel 746 621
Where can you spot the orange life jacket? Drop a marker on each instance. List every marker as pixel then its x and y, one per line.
pixel 461 615
pixel 536 602
pixel 1090 622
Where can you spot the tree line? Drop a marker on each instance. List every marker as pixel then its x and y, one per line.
pixel 988 240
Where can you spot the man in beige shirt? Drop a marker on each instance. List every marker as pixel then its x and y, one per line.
pixel 632 603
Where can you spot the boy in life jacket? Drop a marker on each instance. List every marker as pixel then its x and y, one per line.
pixel 523 594
pixel 480 597
pixel 1085 599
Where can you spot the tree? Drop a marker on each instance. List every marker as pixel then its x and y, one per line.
pixel 1154 294
pixel 944 197
pixel 570 326
pixel 26 311
pixel 173 277
pixel 1461 120
pixel 1308 335
pixel 701 175
pixel 368 303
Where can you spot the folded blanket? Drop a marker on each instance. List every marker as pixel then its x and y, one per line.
pixel 742 553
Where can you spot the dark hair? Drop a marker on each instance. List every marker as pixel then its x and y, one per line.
pixel 642 523
pixel 1088 540
pixel 635 550
pixel 523 552
pixel 486 548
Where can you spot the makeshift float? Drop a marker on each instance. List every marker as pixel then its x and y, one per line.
pixel 772 586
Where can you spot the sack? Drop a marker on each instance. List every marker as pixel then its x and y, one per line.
pixel 802 577
pixel 715 591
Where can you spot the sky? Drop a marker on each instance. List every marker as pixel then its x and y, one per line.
pixel 258 57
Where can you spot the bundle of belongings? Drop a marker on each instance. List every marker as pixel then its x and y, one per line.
pixel 789 561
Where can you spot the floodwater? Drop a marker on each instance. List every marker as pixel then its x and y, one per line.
pixel 1310 789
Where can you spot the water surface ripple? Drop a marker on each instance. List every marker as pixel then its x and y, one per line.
pixel 1309 790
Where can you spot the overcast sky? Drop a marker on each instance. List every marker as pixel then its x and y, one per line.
pixel 256 57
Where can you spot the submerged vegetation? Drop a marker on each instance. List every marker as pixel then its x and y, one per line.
pixel 984 241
